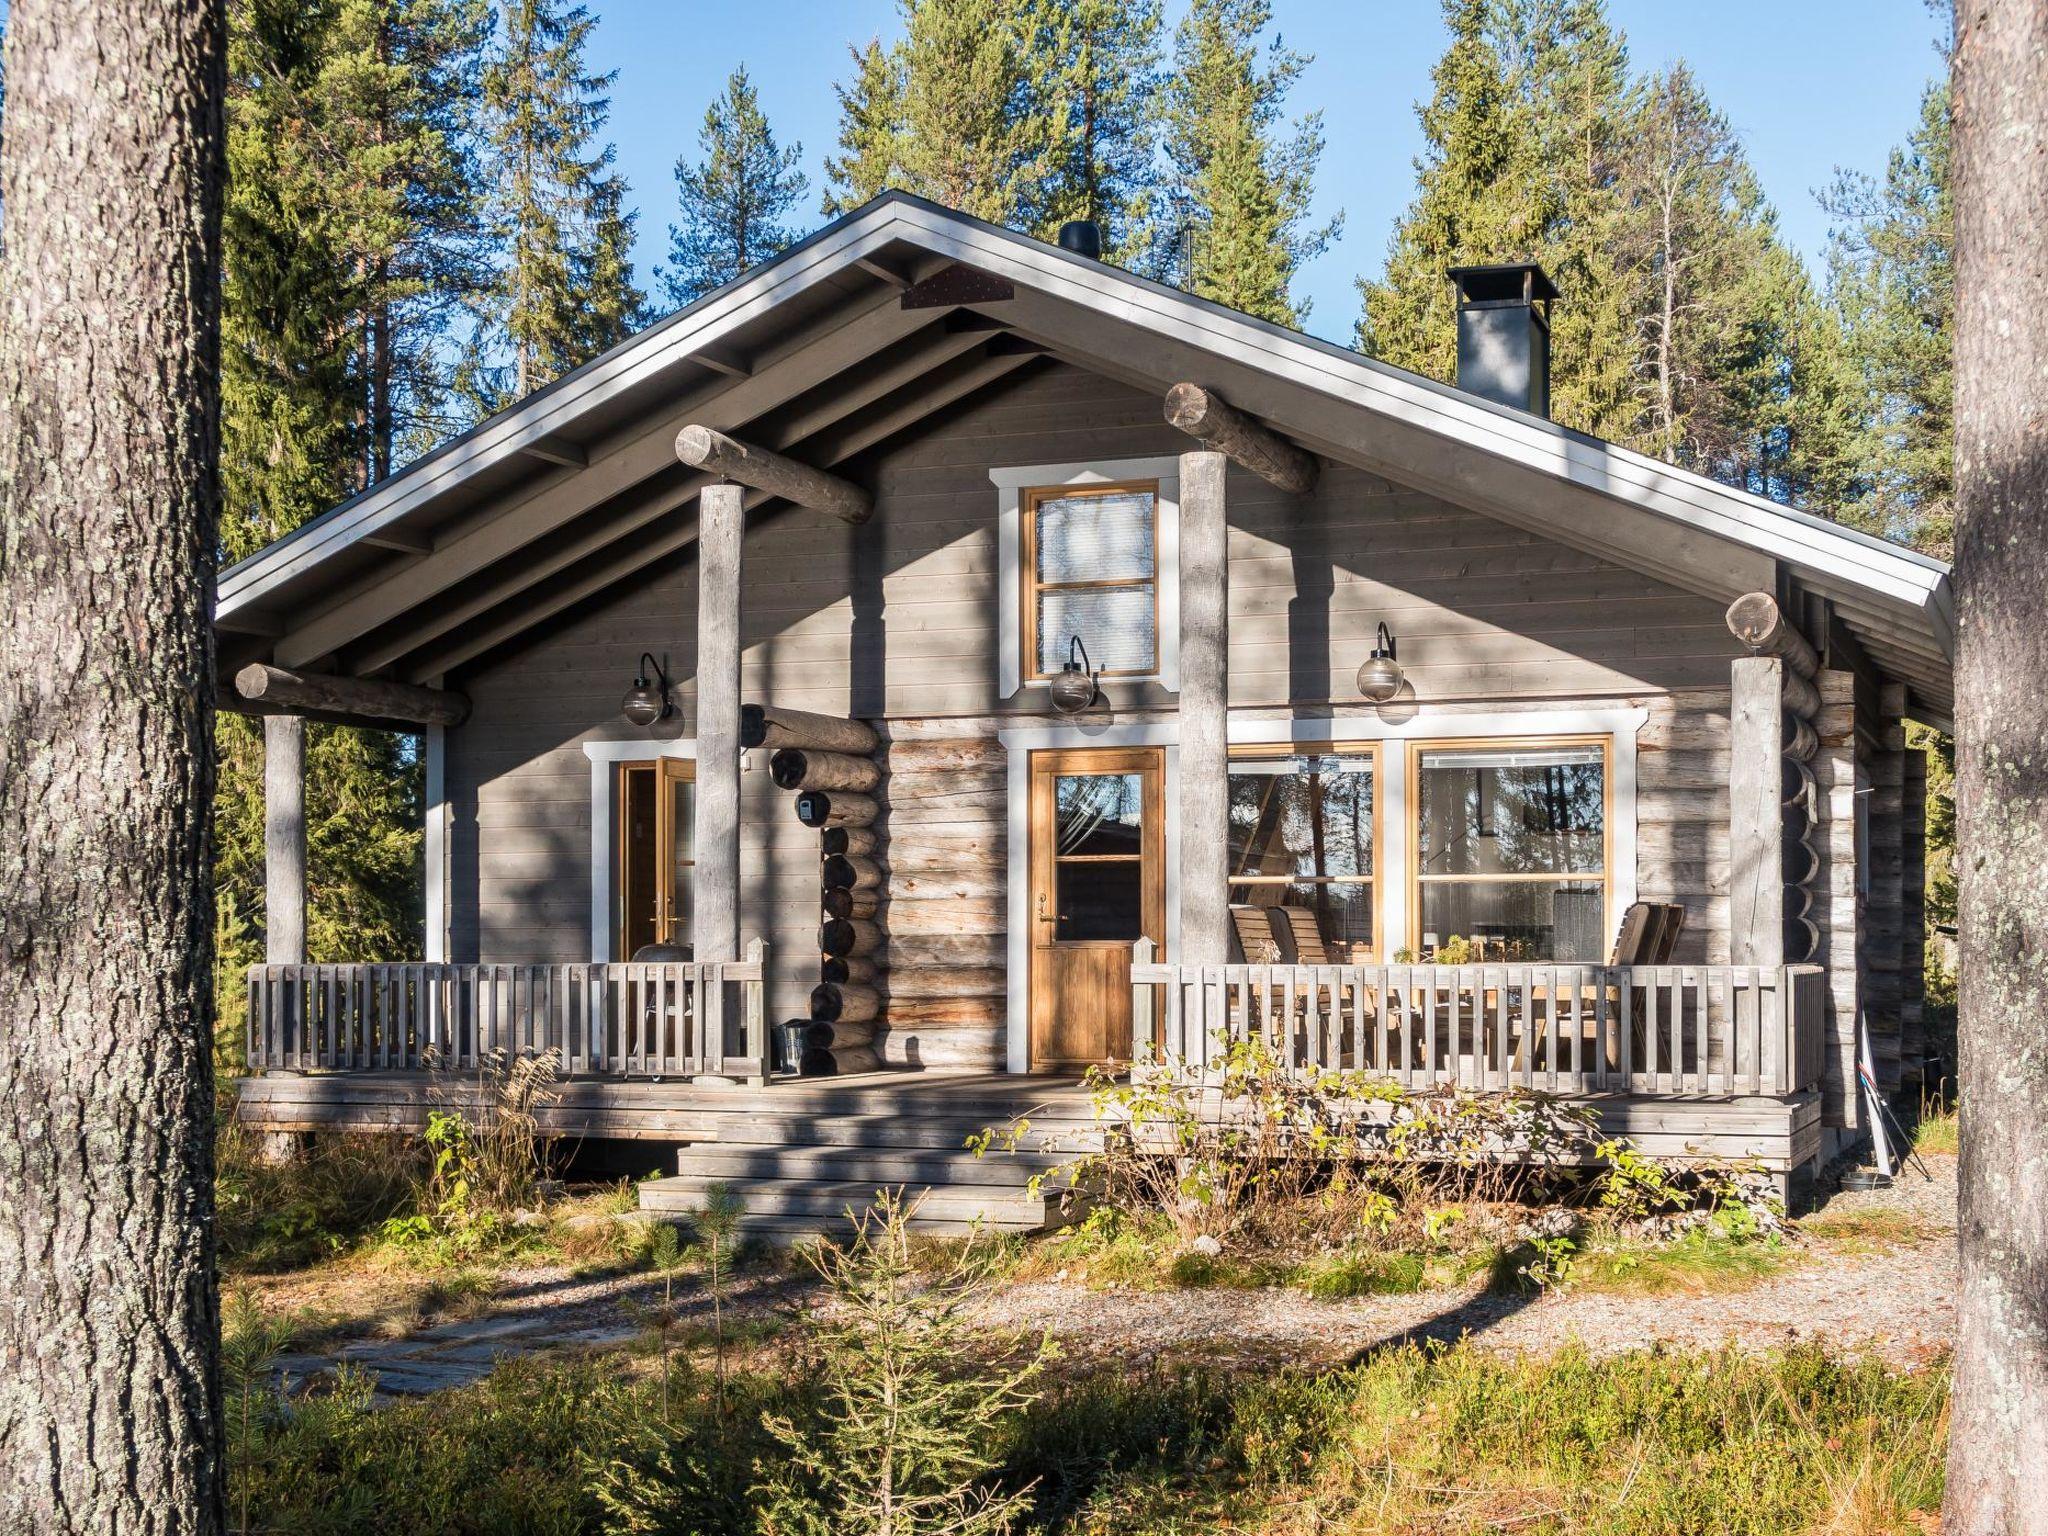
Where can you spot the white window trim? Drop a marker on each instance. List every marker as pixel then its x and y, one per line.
pixel 1395 864
pixel 604 757
pixel 1020 743
pixel 1011 482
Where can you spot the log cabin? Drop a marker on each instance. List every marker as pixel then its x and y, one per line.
pixel 939 662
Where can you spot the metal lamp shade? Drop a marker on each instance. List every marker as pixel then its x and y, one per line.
pixel 643 704
pixel 1380 678
pixel 1073 690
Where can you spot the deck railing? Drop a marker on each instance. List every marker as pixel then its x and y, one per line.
pixel 666 1019
pixel 1644 1029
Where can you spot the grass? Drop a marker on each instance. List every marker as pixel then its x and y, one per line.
pixel 1938 1128
pixel 1867 1228
pixel 1701 1262
pixel 1444 1441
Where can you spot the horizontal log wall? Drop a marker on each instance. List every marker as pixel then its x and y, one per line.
pixel 896 622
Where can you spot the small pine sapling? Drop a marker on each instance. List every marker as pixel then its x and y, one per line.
pixel 912 1398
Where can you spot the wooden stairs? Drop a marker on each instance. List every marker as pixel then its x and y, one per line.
pixel 807 1160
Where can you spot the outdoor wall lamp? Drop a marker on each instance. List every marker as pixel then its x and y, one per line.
pixel 647 702
pixel 1380 678
pixel 1074 689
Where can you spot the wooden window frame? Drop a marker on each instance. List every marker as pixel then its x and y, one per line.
pixel 1412 836
pixel 666 771
pixel 1376 881
pixel 1031 586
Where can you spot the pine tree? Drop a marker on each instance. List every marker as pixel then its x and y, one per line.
pixel 1892 278
pixel 734 201
pixel 394 130
pixel 1105 83
pixel 964 110
pixel 1242 177
pixel 870 131
pixel 555 215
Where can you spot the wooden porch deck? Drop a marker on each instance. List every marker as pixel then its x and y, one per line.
pixel 936 1109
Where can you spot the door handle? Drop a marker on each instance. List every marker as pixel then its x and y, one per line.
pixel 1043 915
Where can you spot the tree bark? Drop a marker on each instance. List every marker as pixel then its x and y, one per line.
pixel 1998 1440
pixel 110 1414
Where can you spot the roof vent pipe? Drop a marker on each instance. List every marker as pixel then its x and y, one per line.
pixel 1504 334
pixel 1083 237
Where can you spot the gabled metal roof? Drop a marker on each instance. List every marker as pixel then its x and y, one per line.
pixel 576 486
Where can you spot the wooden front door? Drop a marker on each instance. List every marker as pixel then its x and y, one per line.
pixel 655 857
pixel 1098 885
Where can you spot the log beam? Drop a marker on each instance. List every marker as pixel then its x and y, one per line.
pixel 764 469
pixel 318 693
pixel 1207 415
pixel 763 725
pixel 1756 620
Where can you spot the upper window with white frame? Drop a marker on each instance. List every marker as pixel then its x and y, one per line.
pixel 1090 568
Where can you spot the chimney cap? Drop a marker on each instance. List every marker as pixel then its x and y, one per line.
pixel 1503 282
pixel 1083 237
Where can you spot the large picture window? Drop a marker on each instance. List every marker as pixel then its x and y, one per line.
pixel 1511 850
pixel 1302 835
pixel 1091 568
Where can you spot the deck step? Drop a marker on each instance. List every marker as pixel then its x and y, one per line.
pixel 948 1134
pixel 791 1203
pixel 885 1166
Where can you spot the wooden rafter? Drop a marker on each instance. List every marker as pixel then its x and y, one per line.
pixel 279 692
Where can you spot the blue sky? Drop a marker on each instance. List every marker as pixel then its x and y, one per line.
pixel 1810 85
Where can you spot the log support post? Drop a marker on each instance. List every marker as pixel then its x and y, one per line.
pixel 721 531
pixel 1756 820
pixel 1204 711
pixel 284 840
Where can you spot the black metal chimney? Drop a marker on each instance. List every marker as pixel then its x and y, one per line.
pixel 1504 333
pixel 1083 237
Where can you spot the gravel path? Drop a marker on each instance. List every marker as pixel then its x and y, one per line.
pixel 1877 1271
pixel 1894 1295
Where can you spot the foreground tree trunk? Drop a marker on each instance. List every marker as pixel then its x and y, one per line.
pixel 1998 1447
pixel 110 1413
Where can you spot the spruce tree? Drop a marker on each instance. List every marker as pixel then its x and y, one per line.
pixel 965 110
pixel 734 201
pixel 1523 138
pixel 1105 81
pixel 1242 176
pixel 1891 267
pixel 555 215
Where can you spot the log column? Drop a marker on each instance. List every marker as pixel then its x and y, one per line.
pixel 721 530
pixel 1204 711
pixel 284 839
pixel 1756 824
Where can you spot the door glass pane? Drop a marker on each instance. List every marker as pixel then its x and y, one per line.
pixel 1518 919
pixel 1117 624
pixel 639 809
pixel 1099 899
pixel 1106 537
pixel 1540 811
pixel 1098 813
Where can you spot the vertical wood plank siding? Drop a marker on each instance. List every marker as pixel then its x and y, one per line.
pixel 896 622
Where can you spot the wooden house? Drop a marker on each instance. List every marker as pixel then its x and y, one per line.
pixel 940 660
